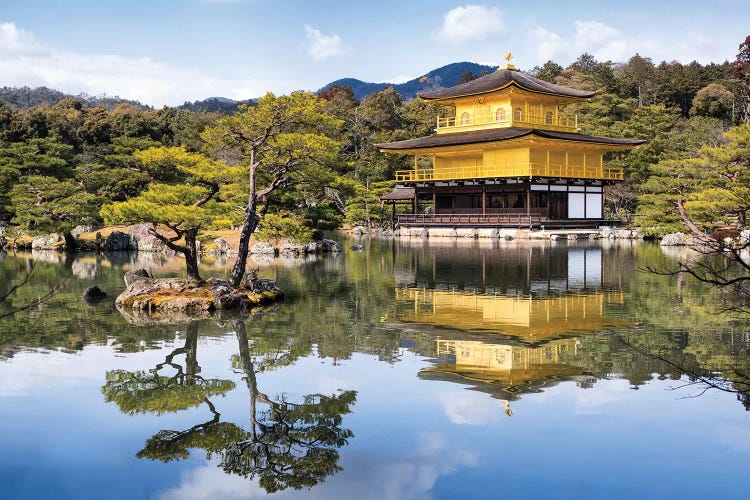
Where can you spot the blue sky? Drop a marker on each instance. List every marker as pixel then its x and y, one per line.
pixel 169 51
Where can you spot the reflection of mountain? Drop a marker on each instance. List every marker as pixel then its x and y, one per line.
pixel 505 371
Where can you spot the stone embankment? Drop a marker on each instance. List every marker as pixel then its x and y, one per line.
pixel 138 238
pixel 724 238
pixel 515 234
pixel 145 294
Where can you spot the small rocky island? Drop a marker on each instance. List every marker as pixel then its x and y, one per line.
pixel 146 295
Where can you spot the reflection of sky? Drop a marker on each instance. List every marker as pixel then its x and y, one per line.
pixel 413 438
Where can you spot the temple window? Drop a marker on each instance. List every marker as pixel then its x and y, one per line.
pixel 548 118
pixel 517 114
pixel 500 115
pixel 465 119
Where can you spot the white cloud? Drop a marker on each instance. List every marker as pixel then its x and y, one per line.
pixel 323 46
pixel 601 40
pixel 548 44
pixel 470 22
pixel 26 60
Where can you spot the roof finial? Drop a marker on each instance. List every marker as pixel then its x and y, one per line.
pixel 508 59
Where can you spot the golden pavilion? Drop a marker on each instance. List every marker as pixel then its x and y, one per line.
pixel 506 156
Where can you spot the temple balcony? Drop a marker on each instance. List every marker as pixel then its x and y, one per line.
pixel 511 170
pixel 468 122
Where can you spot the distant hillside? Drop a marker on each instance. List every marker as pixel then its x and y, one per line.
pixel 437 78
pixel 221 105
pixel 27 97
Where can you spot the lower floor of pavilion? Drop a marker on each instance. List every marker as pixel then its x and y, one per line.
pixel 503 203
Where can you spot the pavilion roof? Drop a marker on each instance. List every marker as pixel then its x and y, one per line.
pixel 399 194
pixel 500 134
pixel 503 78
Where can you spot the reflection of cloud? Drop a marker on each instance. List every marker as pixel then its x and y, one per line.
pixel 591 401
pixel 736 437
pixel 469 408
pixel 363 477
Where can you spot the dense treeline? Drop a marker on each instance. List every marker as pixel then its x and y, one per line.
pixel 61 163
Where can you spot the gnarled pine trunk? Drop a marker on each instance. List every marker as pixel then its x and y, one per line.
pixel 251 222
pixel 191 254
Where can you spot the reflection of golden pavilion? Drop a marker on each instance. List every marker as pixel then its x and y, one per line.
pixel 513 366
pixel 530 319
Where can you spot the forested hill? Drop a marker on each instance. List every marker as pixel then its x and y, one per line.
pixel 221 105
pixel 27 97
pixel 447 76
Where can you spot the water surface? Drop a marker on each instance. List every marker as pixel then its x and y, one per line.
pixel 408 370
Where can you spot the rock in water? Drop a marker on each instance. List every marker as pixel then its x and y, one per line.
pixel 357 248
pixel 93 294
pixel 331 246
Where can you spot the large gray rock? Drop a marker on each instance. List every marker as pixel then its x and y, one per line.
pixel 222 247
pixel 263 248
pixel 117 241
pixel 136 275
pixel 674 240
pixel 143 240
pixel 3 242
pixel 177 295
pixel 289 247
pixel 76 231
pixel 46 242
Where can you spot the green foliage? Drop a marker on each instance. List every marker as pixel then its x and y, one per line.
pixel 713 100
pixel 275 227
pixel 44 204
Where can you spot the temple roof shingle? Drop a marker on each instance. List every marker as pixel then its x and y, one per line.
pixel 502 78
pixel 500 134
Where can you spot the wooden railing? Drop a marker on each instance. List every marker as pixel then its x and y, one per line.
pixel 512 170
pixel 506 216
pixel 531 120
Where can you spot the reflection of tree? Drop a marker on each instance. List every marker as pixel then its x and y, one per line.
pixel 152 392
pixel 289 444
pixel 730 374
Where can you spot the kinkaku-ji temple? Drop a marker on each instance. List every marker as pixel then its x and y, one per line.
pixel 507 157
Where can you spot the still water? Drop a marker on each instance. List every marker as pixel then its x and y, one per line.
pixel 453 370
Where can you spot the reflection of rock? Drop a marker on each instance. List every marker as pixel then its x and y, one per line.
pixel 83 270
pixel 47 256
pixel 263 259
pixel 48 242
pixel 293 260
pixel 170 295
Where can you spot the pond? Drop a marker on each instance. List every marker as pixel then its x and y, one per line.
pixel 407 370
